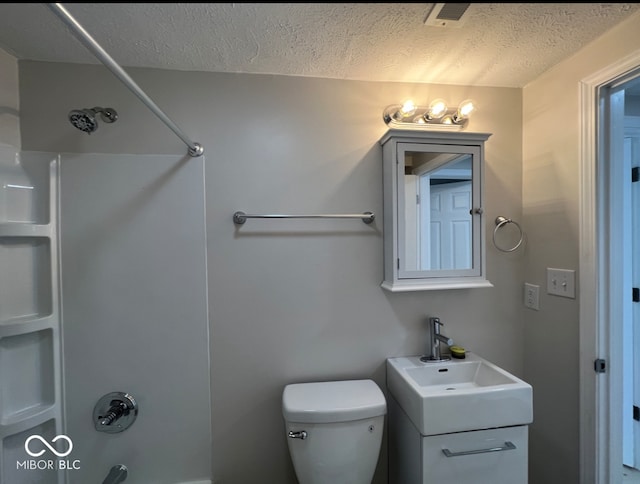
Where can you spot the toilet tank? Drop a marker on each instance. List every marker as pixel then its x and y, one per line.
pixel 343 423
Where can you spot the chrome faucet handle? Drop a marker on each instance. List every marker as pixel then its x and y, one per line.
pixel 435 329
pixel 115 412
pixel 436 338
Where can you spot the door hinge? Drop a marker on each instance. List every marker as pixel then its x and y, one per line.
pixel 599 365
pixel 635 174
pixel 636 294
pixel 636 413
pixel 398 260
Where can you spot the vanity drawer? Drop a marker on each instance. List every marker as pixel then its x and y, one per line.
pixel 495 456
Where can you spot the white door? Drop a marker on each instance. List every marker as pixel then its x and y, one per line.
pixel 450 226
pixel 632 162
pixel 621 231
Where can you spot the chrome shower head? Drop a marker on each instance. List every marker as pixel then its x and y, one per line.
pixel 85 119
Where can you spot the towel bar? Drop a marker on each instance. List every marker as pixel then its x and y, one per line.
pixel 366 217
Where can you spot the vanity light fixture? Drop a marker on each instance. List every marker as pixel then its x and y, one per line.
pixel 437 115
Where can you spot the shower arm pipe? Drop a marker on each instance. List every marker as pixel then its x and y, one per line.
pixel 195 149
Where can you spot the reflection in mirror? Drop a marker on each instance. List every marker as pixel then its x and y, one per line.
pixel 438 202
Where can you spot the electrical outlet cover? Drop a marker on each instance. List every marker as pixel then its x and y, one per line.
pixel 531 296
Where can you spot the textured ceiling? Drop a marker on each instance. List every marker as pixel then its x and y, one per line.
pixel 499 44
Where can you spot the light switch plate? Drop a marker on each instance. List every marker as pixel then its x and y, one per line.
pixel 561 282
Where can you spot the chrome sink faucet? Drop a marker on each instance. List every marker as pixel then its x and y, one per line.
pixel 435 339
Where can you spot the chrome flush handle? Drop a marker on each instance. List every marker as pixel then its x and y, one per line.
pixel 302 434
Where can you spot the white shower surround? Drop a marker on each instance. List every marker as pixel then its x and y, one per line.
pixel 135 312
pixel 136 300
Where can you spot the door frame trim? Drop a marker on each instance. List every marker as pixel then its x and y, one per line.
pixel 599 445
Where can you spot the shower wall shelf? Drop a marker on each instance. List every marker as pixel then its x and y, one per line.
pixel 30 348
pixel 15 229
pixel 26 324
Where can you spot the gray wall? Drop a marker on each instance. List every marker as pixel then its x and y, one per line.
pixel 9 101
pixel 293 301
pixel 551 204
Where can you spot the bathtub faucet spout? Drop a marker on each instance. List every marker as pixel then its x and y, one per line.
pixel 117 474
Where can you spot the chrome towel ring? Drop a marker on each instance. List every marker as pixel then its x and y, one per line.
pixel 500 222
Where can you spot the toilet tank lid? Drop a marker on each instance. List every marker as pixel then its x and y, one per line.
pixel 332 401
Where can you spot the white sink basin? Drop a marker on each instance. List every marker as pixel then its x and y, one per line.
pixel 458 395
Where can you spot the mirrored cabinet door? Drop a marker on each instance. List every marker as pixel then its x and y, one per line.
pixel 433 216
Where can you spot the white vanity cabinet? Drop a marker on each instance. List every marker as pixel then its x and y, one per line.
pixel 489 456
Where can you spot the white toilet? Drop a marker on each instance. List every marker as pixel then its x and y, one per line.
pixel 334 430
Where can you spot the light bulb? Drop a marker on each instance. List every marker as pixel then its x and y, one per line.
pixel 407 109
pixel 437 109
pixel 465 109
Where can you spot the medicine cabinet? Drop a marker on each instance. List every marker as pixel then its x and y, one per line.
pixel 433 210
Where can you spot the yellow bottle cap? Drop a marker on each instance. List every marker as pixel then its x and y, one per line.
pixel 457 351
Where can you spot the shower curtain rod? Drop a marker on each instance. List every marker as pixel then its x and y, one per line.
pixel 195 149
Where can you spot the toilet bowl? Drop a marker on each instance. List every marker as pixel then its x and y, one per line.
pixel 334 430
